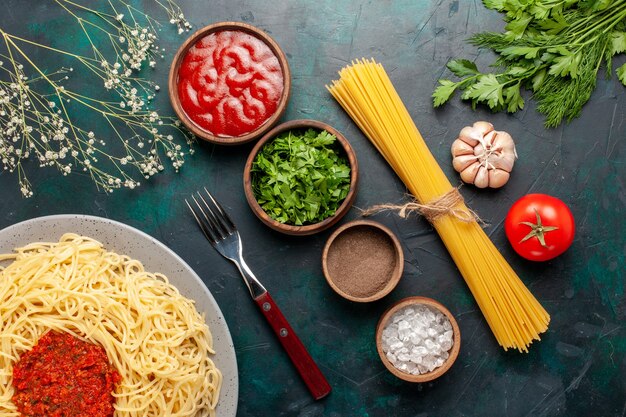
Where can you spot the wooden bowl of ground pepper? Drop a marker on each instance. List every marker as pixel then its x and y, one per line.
pixel 363 261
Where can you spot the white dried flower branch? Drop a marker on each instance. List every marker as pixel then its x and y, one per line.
pixel 36 123
pixel 176 15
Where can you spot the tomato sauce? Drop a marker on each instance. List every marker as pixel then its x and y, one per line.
pixel 63 376
pixel 230 83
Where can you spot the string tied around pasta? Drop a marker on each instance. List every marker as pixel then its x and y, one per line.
pixel 446 204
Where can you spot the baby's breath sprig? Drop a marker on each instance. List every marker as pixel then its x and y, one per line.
pixel 176 15
pixel 36 119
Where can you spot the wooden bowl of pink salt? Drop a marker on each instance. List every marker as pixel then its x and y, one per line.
pixel 363 261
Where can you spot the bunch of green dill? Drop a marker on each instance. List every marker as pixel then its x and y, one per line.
pixel 554 48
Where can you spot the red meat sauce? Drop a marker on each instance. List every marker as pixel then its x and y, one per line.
pixel 63 376
pixel 230 83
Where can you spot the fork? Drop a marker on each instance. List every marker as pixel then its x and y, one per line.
pixel 220 230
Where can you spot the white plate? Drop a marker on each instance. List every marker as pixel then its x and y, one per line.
pixel 156 257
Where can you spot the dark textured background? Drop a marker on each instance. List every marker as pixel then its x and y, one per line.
pixel 578 368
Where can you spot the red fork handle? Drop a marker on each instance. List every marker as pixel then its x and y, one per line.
pixel 308 370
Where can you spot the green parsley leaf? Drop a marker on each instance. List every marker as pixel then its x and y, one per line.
pixel 517 71
pixel 495 4
pixel 462 67
pixel 517 51
pixel 566 65
pixel 597 5
pixel 618 42
pixel 539 11
pixel 518 26
pixel 621 74
pixel 487 90
pixel 553 26
pixel 300 178
pixel 443 92
pixel 513 98
pixel 538 79
pixel 515 8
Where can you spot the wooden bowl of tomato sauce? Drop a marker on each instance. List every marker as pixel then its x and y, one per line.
pixel 229 83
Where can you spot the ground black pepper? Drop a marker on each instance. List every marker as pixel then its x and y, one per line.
pixel 361 261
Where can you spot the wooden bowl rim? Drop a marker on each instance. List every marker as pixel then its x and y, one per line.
pixel 454 351
pixel 312 228
pixel 395 275
pixel 173 78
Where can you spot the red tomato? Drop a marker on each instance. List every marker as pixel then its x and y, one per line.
pixel 539 227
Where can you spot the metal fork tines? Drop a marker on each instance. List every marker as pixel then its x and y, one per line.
pixel 220 230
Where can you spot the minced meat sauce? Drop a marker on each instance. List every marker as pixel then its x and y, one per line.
pixel 63 376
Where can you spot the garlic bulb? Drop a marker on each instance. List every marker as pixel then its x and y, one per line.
pixel 483 156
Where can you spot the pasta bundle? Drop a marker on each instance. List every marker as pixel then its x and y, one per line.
pixel 514 315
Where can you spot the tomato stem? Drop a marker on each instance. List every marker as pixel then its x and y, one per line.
pixel 538 230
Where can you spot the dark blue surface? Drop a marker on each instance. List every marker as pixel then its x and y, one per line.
pixel 577 369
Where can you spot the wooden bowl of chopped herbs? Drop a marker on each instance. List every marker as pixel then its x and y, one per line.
pixel 301 177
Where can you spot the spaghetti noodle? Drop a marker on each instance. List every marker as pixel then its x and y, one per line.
pixel 153 336
pixel 366 93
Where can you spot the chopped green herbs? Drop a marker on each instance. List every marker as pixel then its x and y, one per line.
pixel 552 47
pixel 299 178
